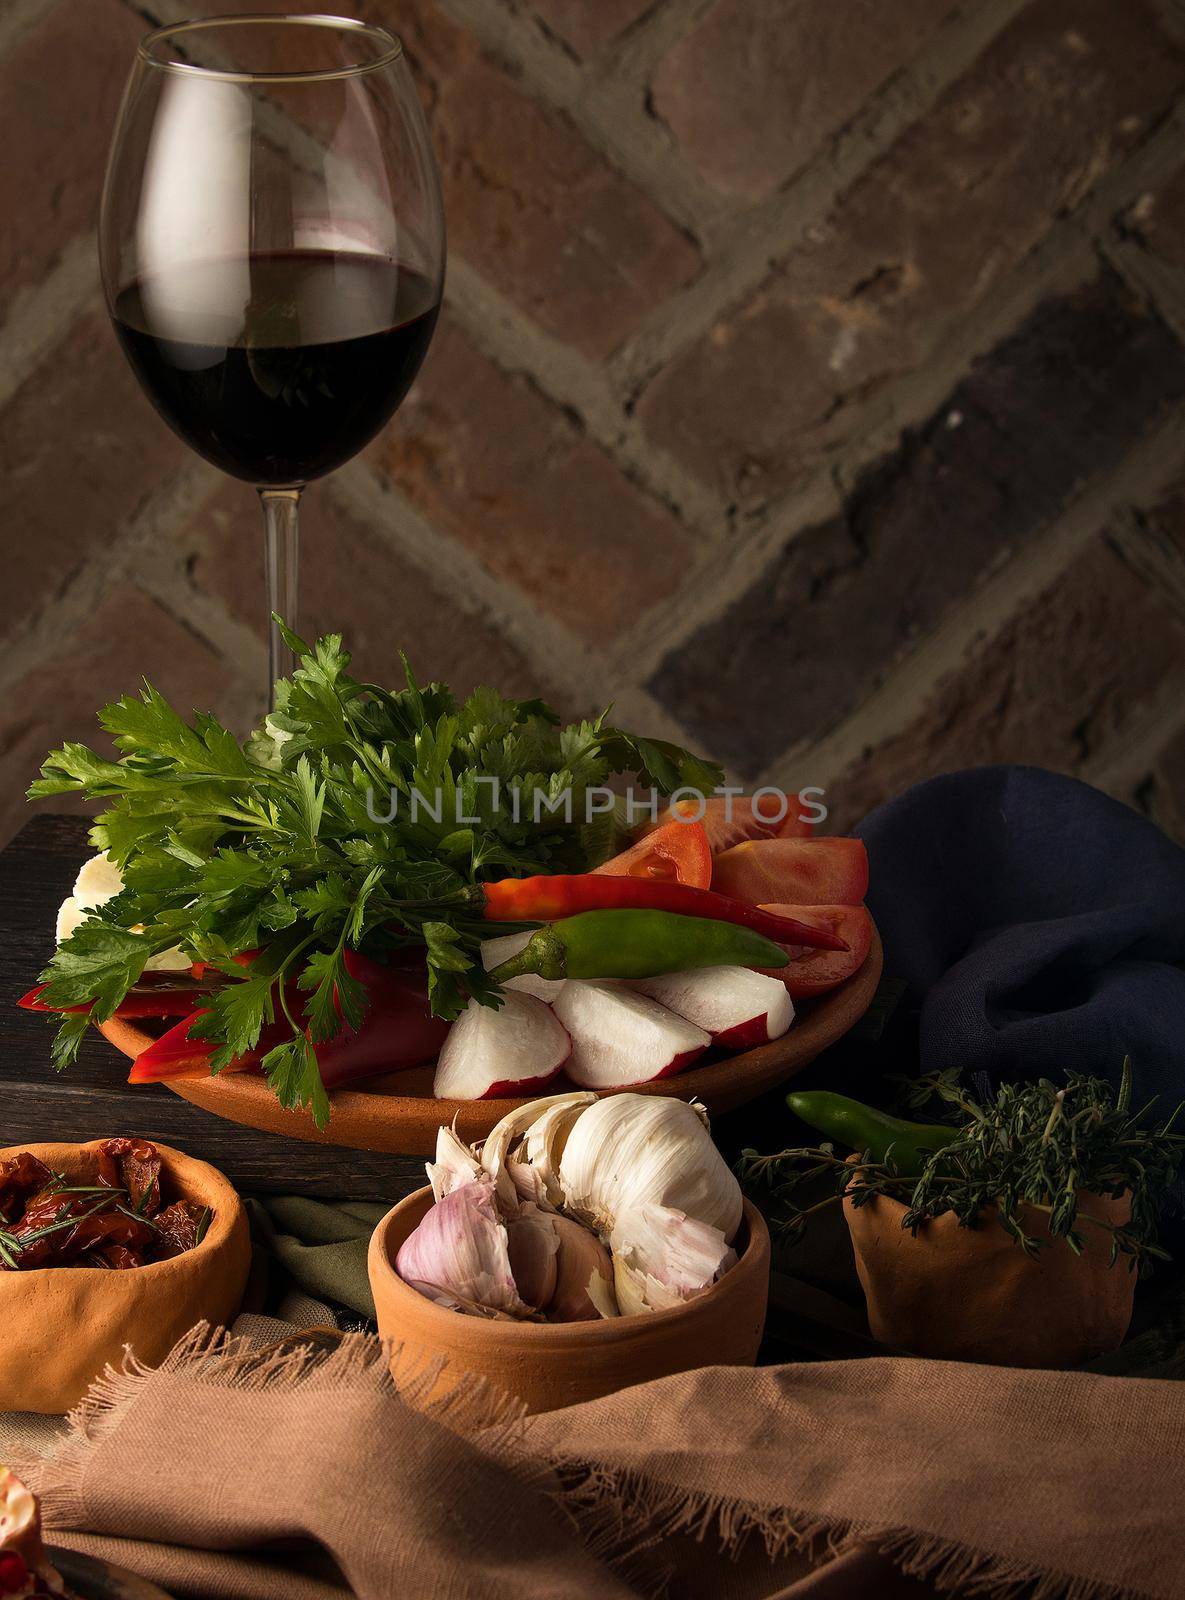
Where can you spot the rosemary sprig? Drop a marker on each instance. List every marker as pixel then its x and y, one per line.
pixel 84 1188
pixel 1035 1147
pixel 12 1246
pixel 137 1216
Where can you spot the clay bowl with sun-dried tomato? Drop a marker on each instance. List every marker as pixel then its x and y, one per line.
pixel 104 1245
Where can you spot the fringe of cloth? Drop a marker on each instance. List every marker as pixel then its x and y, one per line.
pixel 620 1515
pixel 214 1358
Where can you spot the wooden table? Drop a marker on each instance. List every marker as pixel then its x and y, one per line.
pixel 92 1098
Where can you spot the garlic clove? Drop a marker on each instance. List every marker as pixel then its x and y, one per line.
pixel 543 1144
pixel 455 1164
pixel 495 1152
pixel 631 1150
pixel 635 1292
pixel 173 959
pixel 98 881
pixel 584 1280
pixel 533 1246
pixel 678 1252
pixel 70 914
pixel 666 1260
pixel 459 1255
pixel 603 1295
pixel 528 1185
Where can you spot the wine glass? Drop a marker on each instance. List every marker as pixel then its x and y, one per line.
pixel 272 249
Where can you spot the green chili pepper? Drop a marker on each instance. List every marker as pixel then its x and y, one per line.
pixel 637 944
pixel 870 1132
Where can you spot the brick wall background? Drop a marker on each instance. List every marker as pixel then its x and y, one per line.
pixel 810 383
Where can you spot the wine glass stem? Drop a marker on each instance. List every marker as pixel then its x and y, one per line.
pixel 281 511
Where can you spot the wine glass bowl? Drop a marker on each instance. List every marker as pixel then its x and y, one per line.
pixel 272 248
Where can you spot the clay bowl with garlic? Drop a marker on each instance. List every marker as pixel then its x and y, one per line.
pixel 549 1365
pixel 61 1325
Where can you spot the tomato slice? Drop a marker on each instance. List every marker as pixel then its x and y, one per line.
pixel 812 972
pixel 728 823
pixel 678 852
pixel 800 872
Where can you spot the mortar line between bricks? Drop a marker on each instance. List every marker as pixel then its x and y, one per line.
pixel 518 346
pixel 1062 260
pixel 1132 752
pixel 206 617
pixel 1162 285
pixel 981 616
pixel 638 50
pixel 38 636
pixel 629 138
pixel 384 507
pixel 723 576
pixel 39 314
pixel 757 239
pixel 1153 558
pixel 910 401
pixel 546 645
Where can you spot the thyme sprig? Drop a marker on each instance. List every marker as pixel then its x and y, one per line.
pixel 1034 1148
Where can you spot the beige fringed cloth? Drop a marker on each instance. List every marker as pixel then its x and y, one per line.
pixel 296 1475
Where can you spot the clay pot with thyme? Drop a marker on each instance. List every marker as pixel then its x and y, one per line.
pixel 1013 1233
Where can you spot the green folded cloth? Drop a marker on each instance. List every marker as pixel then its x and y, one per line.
pixel 316 1246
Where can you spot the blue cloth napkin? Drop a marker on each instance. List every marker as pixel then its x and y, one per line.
pixel 1038 924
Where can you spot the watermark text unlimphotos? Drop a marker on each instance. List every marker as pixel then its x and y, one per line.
pixel 769 805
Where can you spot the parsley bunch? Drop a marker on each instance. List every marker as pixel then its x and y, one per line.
pixel 273 845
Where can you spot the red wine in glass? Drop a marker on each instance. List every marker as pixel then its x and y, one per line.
pixel 278 367
pixel 272 246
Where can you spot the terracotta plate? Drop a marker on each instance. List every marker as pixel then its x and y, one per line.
pixel 397 1113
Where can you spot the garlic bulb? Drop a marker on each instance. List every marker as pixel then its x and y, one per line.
pixel 609 1207
pixel 459 1256
pixel 629 1150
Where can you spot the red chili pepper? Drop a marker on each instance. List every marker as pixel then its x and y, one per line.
pixel 549 898
pixel 173 996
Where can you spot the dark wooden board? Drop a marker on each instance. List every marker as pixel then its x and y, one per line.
pixel 92 1098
